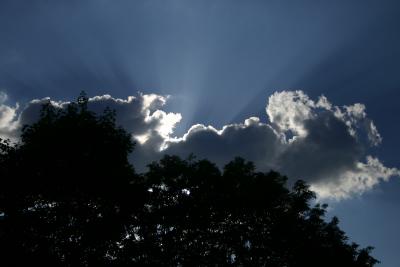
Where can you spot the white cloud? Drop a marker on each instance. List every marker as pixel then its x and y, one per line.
pixel 289 110
pixel 140 115
pixel 355 181
pixel 316 141
pixel 8 118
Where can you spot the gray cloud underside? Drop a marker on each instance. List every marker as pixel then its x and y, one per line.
pixel 316 141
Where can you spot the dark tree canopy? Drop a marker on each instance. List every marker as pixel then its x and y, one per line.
pixel 69 197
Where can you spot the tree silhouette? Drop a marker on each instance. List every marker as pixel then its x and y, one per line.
pixel 69 197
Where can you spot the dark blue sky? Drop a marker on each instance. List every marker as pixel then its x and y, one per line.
pixel 220 60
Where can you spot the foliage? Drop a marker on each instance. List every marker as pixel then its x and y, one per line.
pixel 69 197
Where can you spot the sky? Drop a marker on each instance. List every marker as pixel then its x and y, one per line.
pixel 310 88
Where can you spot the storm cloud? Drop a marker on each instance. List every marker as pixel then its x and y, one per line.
pixel 314 140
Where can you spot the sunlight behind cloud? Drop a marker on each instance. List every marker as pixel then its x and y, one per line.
pixel 326 145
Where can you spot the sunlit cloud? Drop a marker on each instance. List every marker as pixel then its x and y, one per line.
pixel 313 140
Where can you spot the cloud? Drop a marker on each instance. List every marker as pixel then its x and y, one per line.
pixel 288 111
pixel 253 140
pixel 140 115
pixel 3 97
pixel 330 150
pixel 8 115
pixel 356 180
pixel 316 141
